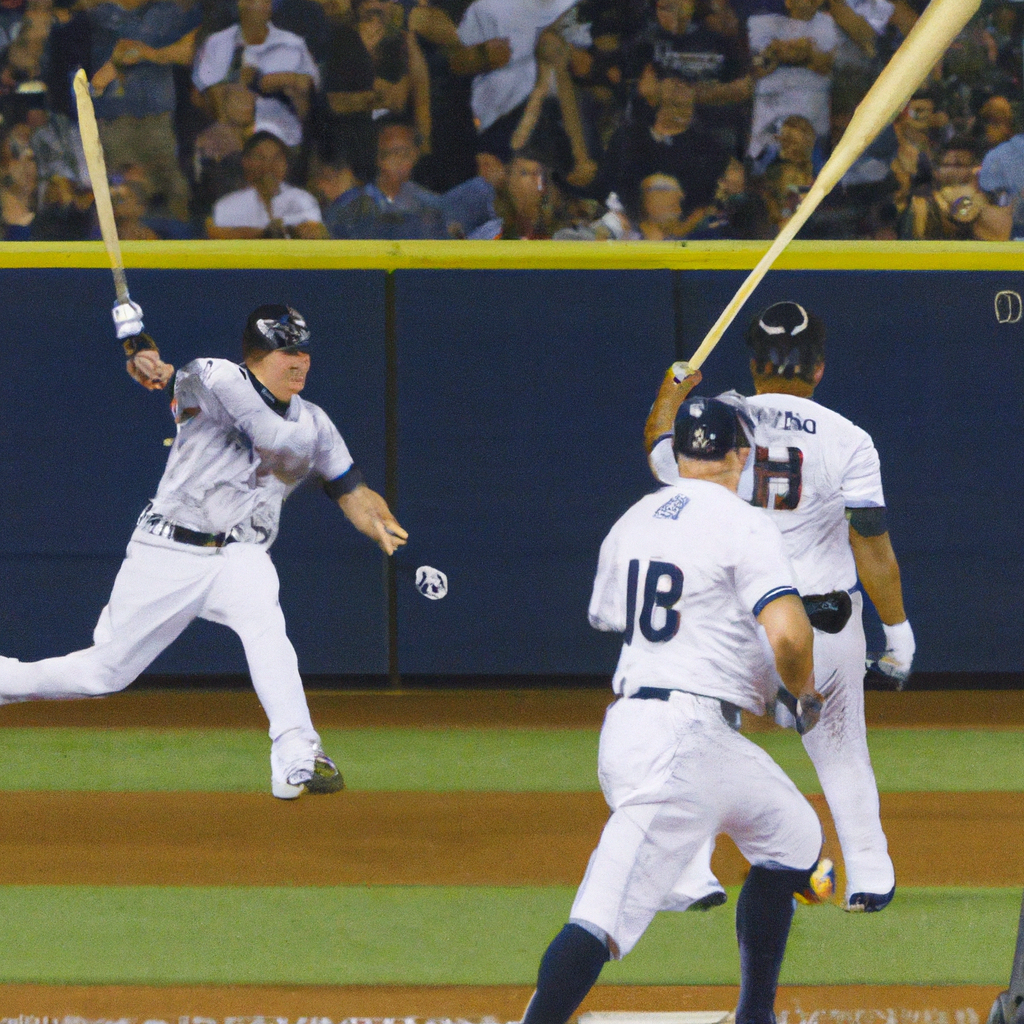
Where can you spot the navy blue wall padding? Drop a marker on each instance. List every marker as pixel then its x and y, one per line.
pixel 522 397
pixel 81 450
pixel 522 401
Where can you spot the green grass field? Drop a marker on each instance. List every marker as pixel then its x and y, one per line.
pixel 460 935
pixel 483 760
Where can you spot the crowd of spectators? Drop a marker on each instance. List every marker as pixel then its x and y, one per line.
pixel 531 119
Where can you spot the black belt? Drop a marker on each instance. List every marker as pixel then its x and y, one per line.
pixel 157 525
pixel 730 712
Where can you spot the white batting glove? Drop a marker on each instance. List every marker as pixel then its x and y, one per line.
pixel 898 656
pixel 127 319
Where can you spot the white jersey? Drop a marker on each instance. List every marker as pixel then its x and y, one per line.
pixel 235 459
pixel 684 574
pixel 809 465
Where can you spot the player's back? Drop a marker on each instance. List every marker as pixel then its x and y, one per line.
pixel 682 574
pixel 809 465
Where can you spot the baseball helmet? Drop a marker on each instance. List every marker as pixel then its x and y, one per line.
pixel 788 337
pixel 273 326
pixel 710 428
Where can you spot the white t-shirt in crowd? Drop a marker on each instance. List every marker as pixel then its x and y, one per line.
pixel 245 209
pixel 497 92
pixel 683 575
pixel 280 51
pixel 790 90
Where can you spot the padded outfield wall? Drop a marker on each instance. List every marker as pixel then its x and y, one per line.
pixel 497 391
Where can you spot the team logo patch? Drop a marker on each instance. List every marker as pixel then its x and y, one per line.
pixel 431 582
pixel 672 507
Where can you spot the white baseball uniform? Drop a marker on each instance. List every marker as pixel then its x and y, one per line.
pixel 810 464
pixel 200 549
pixel 683 574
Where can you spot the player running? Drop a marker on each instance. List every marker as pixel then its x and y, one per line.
pixel 245 440
pixel 687 575
pixel 817 476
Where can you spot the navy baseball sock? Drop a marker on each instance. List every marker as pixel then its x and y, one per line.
pixel 764 913
pixel 567 973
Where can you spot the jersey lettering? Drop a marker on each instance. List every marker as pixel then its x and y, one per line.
pixel 653 598
pixel 777 482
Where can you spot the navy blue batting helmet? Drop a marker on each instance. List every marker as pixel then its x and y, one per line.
pixel 710 428
pixel 273 326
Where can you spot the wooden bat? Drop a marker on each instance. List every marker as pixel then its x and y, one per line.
pixel 100 187
pixel 927 41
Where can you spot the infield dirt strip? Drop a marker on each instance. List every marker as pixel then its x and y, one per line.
pixel 456 838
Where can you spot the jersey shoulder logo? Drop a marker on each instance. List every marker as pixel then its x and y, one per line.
pixel 672 507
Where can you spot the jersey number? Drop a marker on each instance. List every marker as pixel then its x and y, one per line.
pixel 654 598
pixel 777 482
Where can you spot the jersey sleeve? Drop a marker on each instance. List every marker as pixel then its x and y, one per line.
pixel 862 478
pixel 607 610
pixel 760 31
pixel 762 571
pixel 332 458
pixel 268 432
pixel 663 461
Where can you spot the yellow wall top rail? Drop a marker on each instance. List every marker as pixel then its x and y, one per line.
pixel 502 255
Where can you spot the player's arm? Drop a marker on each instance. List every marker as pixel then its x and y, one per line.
pixel 143 363
pixel 879 574
pixel 792 641
pixel 368 512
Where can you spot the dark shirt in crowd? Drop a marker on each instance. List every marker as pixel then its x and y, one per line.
pixel 142 89
pixel 365 212
pixel 697 55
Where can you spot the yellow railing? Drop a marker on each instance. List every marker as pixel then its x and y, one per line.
pixel 465 255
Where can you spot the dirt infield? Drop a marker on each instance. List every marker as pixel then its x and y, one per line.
pixel 429 838
pixel 848 1004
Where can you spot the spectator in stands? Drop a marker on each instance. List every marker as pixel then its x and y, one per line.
pixel 791 173
pixel 995 122
pixel 367 71
pixel 711 62
pixel 500 94
pixel 738 210
pixel 792 59
pixel 276 65
pixel 18 184
pixel 217 155
pixel 528 204
pixel 129 202
pixel 25 58
pixel 450 147
pixel 331 177
pixel 135 43
pixel 269 207
pixel 676 144
pixel 1002 178
pixel 392 205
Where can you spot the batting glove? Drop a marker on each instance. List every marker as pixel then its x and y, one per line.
pixel 127 319
pixel 895 661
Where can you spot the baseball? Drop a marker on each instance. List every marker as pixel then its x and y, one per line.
pixel 431 582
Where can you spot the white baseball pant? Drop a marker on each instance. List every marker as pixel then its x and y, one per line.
pixel 160 588
pixel 675 775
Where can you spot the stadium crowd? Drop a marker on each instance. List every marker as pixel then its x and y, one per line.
pixel 569 119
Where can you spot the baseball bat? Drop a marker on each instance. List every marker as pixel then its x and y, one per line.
pixel 98 176
pixel 925 44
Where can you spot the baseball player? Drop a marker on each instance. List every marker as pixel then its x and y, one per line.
pixel 690 576
pixel 245 440
pixel 817 477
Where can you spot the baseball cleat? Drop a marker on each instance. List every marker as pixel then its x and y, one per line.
pixel 322 776
pixel 709 901
pixel 822 885
pixel 869 902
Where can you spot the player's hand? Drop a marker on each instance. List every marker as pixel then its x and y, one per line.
pixel 368 512
pixel 127 319
pixel 684 376
pixel 808 711
pixel 149 369
pixel 896 660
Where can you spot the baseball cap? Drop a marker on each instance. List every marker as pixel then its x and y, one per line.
pixel 710 428
pixel 274 326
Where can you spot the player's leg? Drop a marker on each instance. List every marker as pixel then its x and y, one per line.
pixel 697 888
pixel 652 766
pixel 245 598
pixel 156 594
pixel 838 748
pixel 777 830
